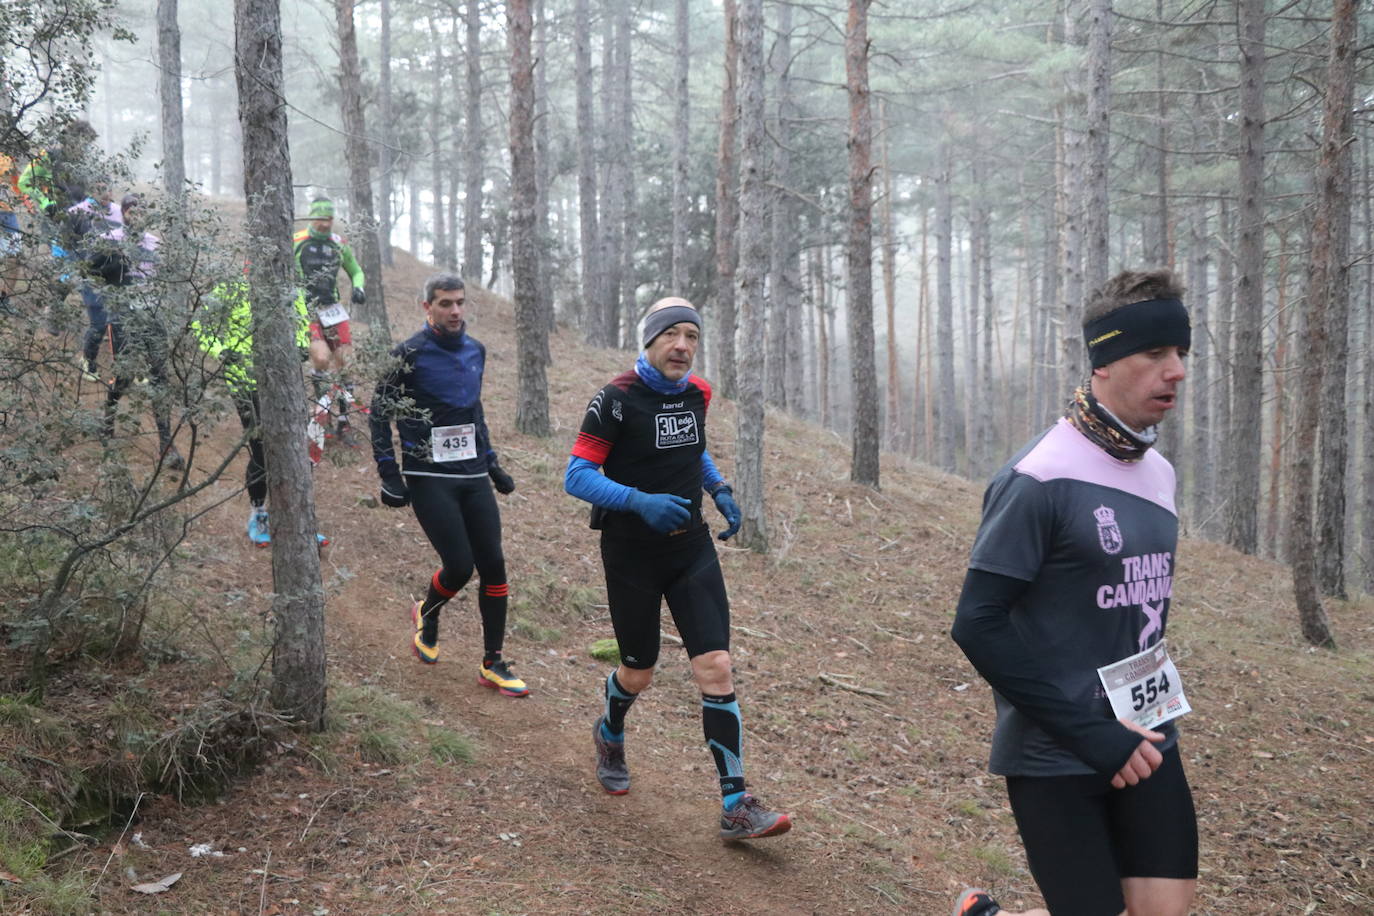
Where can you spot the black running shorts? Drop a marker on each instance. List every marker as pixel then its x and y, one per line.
pixel 684 569
pixel 1082 836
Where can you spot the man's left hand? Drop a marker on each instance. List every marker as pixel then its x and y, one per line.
pixel 359 297
pixel 500 479
pixel 725 502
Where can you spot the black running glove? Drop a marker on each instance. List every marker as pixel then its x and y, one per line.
pixel 394 491
pixel 499 478
pixel 359 297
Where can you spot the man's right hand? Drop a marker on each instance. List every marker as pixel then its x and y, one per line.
pixel 1144 760
pixel 394 491
pixel 663 512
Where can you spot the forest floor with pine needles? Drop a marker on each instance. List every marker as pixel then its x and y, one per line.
pixel 431 794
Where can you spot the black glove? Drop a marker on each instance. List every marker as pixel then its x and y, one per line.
pixel 500 479
pixel 394 491
pixel 359 297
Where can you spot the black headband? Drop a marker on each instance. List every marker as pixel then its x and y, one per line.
pixel 658 322
pixel 1135 327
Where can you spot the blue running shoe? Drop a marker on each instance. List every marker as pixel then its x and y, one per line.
pixel 258 530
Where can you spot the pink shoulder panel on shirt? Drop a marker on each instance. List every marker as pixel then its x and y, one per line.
pixel 1066 454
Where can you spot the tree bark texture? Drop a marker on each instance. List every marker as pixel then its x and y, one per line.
pixel 1201 444
pixel 1333 189
pixel 545 243
pixel 682 116
pixel 385 159
pixel 944 405
pixel 1323 283
pixel 362 219
pixel 593 280
pixel 864 376
pixel 473 147
pixel 894 375
pixel 169 94
pixel 613 176
pixel 298 658
pixel 532 398
pixel 1095 216
pixel 782 281
pixel 753 265
pixel 1244 439
pixel 727 209
pixel 437 120
pixel 1071 197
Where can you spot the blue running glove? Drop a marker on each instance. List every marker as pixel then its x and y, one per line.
pixel 725 502
pixel 663 512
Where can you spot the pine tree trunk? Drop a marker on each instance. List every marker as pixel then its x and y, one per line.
pixel 1098 146
pixel 859 302
pixel 944 414
pixel 1325 268
pixel 727 210
pixel 363 224
pixel 1334 187
pixel 682 114
pixel 1201 458
pixel 1273 534
pixel 1245 437
pixel 612 188
pixel 626 309
pixel 753 264
pixel 473 147
pixel 385 158
pixel 531 330
pixel 169 94
pixel 1071 233
pixel 1367 410
pixel 589 230
pixel 545 243
pixel 1222 331
pixel 782 292
pixel 298 657
pixel 437 122
pixel 894 376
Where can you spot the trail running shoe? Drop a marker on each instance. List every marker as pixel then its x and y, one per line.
pixel 87 368
pixel 343 434
pixel 258 530
pixel 750 820
pixel 425 652
pixel 975 902
pixel 321 541
pixel 499 677
pixel 611 770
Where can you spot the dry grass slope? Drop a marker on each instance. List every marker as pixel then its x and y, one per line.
pixel 893 806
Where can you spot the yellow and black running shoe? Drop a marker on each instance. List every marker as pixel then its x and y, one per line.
pixel 498 676
pixel 425 652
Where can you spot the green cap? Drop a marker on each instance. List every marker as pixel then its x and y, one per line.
pixel 321 208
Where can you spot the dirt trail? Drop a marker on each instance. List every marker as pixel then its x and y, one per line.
pixel 893 808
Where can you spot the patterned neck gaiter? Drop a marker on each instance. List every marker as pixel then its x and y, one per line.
pixel 1104 430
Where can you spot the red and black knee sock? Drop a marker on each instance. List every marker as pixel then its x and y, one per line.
pixel 720 722
pixel 491 603
pixel 435 598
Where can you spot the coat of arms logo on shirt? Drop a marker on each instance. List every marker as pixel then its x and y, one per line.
pixel 1108 533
